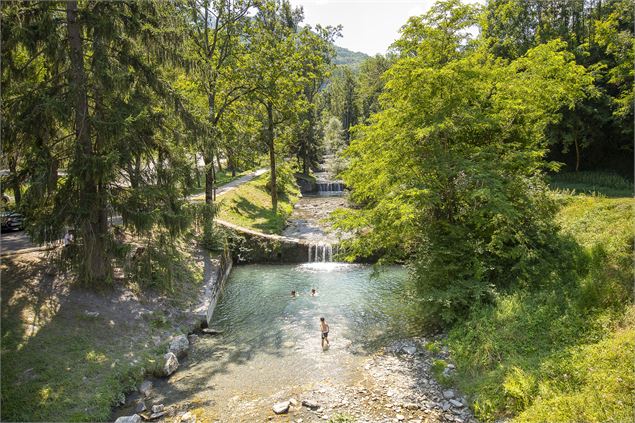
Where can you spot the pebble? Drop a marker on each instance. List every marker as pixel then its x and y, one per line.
pixel 447 394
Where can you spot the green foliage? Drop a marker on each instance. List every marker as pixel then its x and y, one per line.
pixel 346 57
pixel 595 183
pixel 450 174
pixel 564 353
pixel 342 418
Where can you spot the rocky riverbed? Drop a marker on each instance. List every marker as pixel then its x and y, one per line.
pixel 393 385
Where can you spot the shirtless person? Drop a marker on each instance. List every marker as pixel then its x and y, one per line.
pixel 324 328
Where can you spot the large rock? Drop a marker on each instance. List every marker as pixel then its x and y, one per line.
pixel 179 346
pixel 447 394
pixel 135 418
pixel 310 404
pixel 145 388
pixel 281 407
pixel 170 365
pixel 187 418
pixel 410 350
pixel 455 403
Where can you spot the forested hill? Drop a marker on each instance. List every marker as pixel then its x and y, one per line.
pixel 344 56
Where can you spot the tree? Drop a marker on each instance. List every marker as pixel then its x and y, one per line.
pixel 107 115
pixel 371 84
pixel 277 70
pixel 342 95
pixel 449 174
pixel 217 40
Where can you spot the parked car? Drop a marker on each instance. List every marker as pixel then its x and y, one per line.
pixel 11 221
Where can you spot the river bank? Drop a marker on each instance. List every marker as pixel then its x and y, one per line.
pixel 70 353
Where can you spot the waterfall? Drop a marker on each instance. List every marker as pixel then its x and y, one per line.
pixel 326 188
pixel 321 252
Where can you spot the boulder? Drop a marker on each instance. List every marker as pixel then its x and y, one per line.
pixel 145 388
pixel 179 346
pixel 310 404
pixel 212 331
pixel 135 418
pixel 447 394
pixel 409 350
pixel 170 365
pixel 158 415
pixel 281 407
pixel 140 407
pixel 455 403
pixel 188 418
pixel 157 408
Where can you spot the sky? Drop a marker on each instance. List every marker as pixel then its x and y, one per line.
pixel 370 26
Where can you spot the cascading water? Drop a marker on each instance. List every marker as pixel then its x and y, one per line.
pixel 330 188
pixel 321 252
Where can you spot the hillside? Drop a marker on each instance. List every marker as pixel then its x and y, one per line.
pixel 344 56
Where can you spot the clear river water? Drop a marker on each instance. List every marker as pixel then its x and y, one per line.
pixel 270 341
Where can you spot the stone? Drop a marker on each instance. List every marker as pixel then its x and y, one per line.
pixel 210 331
pixel 192 338
pixel 157 408
pixel 145 388
pixel 409 350
pixel 400 417
pixel 450 366
pixel 140 407
pixel 157 415
pixel 447 394
pixel 310 404
pixel 179 346
pixel 411 406
pixel 293 402
pixel 455 403
pixel 121 399
pixel 91 313
pixel 281 407
pixel 171 364
pixel 188 418
pixel 135 418
pixel 445 406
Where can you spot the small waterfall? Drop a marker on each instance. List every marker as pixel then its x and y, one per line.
pixel 321 252
pixel 326 188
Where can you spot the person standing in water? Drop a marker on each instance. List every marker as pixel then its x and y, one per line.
pixel 324 328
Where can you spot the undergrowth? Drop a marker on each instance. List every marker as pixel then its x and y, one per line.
pixel 563 353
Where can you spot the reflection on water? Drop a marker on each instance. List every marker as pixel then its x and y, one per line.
pixel 271 341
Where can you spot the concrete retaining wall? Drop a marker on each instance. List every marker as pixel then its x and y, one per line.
pixel 257 247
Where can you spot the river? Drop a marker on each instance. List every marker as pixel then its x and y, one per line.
pixel 270 341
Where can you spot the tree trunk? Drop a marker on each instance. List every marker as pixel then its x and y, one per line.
pixel 272 158
pixel 577 153
pixel 220 167
pixel 94 266
pixel 15 181
pixel 210 179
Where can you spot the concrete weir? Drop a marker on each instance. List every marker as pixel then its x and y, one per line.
pixel 258 247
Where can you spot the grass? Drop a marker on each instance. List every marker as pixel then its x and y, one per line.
pixel 58 363
pixel 593 183
pixel 250 205
pixel 565 353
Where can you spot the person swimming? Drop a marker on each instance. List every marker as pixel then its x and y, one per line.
pixel 313 292
pixel 294 294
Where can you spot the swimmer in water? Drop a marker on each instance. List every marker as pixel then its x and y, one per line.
pixel 293 293
pixel 313 292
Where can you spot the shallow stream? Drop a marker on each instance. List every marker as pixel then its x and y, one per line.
pixel 270 341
